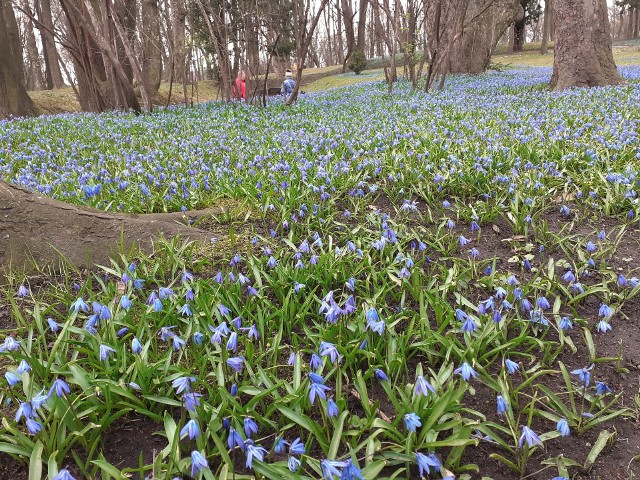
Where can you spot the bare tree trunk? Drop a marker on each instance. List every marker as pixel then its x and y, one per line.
pixel 151 47
pixel 53 73
pixel 347 18
pixel 545 27
pixel 13 42
pixel 35 79
pixel 340 56
pixel 178 26
pixel 583 53
pixel 14 99
pixel 362 25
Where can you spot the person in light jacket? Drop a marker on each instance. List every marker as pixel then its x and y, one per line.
pixel 288 85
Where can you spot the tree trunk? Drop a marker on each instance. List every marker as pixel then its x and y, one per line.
pixel 14 100
pixel 545 27
pixel 362 26
pixel 583 53
pixel 35 79
pixel 36 229
pixel 178 21
pixel 349 30
pixel 151 47
pixel 519 30
pixel 53 72
pixel 12 40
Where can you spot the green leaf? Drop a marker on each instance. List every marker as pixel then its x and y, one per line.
pixel 604 438
pixel 35 462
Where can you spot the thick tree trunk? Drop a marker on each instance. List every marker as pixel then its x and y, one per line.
pixel 349 30
pixel 14 100
pixel 178 21
pixel 362 26
pixel 583 53
pixel 53 73
pixel 519 30
pixel 12 39
pixel 36 229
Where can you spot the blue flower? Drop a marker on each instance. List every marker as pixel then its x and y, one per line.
pixel 423 387
pixel 606 311
pixel 565 323
pixel 315 362
pixel 603 326
pixel 125 302
pixel 235 439
pixel 250 427
pixel 412 421
pixel 584 374
pixel 466 371
pixel 501 405
pixel 236 363
pixel 23 367
pixel 380 375
pixel 24 410
pixel 602 388
pixel 60 388
pixel 64 474
pixel 427 462
pixel 253 452
pixel 351 472
pixel 198 463
pixel 182 384
pixel 330 350
pixel 530 437
pixel 332 408
pixel 12 378
pixel 105 352
pixel 317 389
pixel 78 305
pixel 293 464
pixel 330 468
pixel 33 426
pixel 136 346
pixel 23 291
pixel 191 429
pixel 512 367
pixel 53 325
pixel 191 401
pixel 563 427
pixel 185 310
pixel 232 343
pixel 297 447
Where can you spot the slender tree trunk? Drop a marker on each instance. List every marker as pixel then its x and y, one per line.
pixel 53 72
pixel 362 25
pixel 340 56
pixel 178 25
pixel 347 18
pixel 545 27
pixel 151 47
pixel 14 99
pixel 583 52
pixel 35 78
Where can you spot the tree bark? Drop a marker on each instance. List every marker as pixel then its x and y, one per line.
pixel 583 52
pixel 545 27
pixel 12 40
pixel 151 47
pixel 519 29
pixel 35 78
pixel 362 25
pixel 36 229
pixel 53 73
pixel 14 100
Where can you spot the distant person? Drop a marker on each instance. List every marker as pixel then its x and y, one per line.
pixel 240 87
pixel 288 85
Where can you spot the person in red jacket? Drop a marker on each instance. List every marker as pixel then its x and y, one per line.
pixel 240 87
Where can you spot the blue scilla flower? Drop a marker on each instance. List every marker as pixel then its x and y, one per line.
pixel 23 291
pixel 136 346
pixel 602 388
pixel 236 363
pixel 423 387
pixel 79 304
pixel 24 410
pixel 53 325
pixel 279 445
pixel 12 378
pixel 512 367
pixel 185 310
pixel 469 325
pixel 33 426
pixel 182 384
pixel 232 343
pixel 198 337
pixel 501 405
pixel 177 342
pixel 543 303
pixel 297 447
pixel 254 452
pixel 380 375
pixel 64 474
pixel 190 429
pixel 198 463
pixel 235 440
pixel 331 468
pixel 563 427
pixel 330 350
pixel 250 427
pixel 191 401
pixel 157 305
pixel 565 324
pixel 332 408
pixel 412 422
pixel 23 367
pixel 605 311
pixel 426 463
pixel 293 464
pixel 603 326
pixel 60 388
pixel 351 472
pixel 584 374
pixel 530 437
pixel 466 371
pixel 105 352
pixel 125 302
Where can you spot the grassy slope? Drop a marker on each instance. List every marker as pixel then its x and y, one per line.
pixel 316 79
